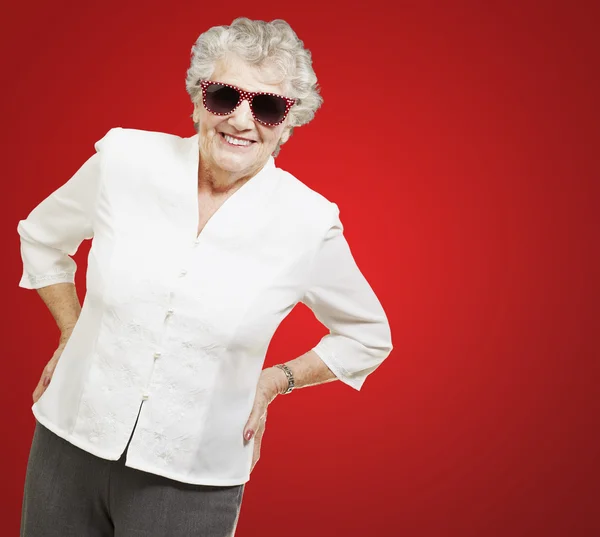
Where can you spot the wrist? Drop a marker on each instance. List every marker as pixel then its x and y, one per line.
pixel 65 334
pixel 279 380
pixel 290 383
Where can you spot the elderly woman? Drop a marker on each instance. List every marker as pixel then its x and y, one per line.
pixel 150 413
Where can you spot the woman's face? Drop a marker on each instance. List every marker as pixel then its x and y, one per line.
pixel 219 156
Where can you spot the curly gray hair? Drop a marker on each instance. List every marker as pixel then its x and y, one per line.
pixel 271 44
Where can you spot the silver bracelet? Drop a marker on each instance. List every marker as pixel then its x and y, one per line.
pixel 290 377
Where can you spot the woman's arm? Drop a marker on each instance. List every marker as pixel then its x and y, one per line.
pixel 54 229
pixel 49 236
pixel 359 337
pixel 62 301
pixel 308 370
pixel 341 298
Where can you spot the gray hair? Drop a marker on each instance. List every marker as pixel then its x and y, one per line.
pixel 263 44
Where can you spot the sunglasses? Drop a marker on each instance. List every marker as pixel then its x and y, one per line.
pixel 267 108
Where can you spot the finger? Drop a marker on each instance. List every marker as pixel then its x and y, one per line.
pixel 258 441
pixel 37 393
pixel 258 410
pixel 261 427
pixel 49 369
pixel 256 452
pixel 255 457
pixel 41 387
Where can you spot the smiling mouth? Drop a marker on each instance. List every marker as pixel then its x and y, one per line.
pixel 237 142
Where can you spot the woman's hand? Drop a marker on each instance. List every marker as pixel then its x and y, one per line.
pixel 267 389
pixel 48 372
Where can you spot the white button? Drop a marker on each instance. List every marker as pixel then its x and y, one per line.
pixel 145 396
pixel 170 311
pixel 157 355
pixel 196 242
pixel 183 272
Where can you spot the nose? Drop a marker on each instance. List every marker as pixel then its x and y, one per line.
pixel 241 118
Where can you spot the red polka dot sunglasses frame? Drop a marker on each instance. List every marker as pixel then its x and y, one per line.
pixel 267 108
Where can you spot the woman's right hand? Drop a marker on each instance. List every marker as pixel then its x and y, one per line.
pixel 47 373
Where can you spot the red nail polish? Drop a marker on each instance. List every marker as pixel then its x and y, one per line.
pixel 249 434
pixel 46 381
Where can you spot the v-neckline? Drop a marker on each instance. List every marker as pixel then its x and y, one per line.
pixel 250 189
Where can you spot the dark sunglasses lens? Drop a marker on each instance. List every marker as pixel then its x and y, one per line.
pixel 268 108
pixel 221 99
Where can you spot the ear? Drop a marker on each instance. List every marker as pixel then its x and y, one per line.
pixel 196 114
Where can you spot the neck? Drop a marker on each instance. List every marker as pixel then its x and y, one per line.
pixel 219 182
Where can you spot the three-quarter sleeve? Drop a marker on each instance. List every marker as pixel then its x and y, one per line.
pixel 55 228
pixel 340 297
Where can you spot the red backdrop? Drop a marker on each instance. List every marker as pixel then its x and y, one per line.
pixel 458 144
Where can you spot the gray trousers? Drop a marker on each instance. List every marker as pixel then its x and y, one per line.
pixel 72 493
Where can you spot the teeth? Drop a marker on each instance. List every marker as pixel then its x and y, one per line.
pixel 235 141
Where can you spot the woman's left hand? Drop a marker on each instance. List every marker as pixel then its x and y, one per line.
pixel 266 391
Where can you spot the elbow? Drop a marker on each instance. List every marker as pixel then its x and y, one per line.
pixel 381 352
pixel 384 341
pixel 21 228
pixel 25 231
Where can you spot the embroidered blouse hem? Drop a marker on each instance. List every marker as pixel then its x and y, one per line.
pixel 132 462
pixel 29 281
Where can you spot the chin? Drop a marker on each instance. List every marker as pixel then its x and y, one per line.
pixel 232 164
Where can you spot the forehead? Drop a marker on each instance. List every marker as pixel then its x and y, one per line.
pixel 235 71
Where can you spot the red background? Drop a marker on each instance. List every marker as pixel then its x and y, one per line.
pixel 461 145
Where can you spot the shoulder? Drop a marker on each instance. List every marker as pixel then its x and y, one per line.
pixel 119 140
pixel 303 205
pixel 133 159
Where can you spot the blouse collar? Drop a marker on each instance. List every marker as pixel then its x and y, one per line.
pixel 247 206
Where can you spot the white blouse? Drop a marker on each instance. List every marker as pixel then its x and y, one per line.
pixel 179 324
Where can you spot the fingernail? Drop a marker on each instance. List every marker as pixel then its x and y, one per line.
pixel 46 381
pixel 249 434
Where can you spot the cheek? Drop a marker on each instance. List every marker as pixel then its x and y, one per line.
pixel 207 121
pixel 271 136
pixel 208 134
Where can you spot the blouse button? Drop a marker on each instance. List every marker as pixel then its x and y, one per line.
pixel 156 355
pixel 170 311
pixel 145 396
pixel 183 272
